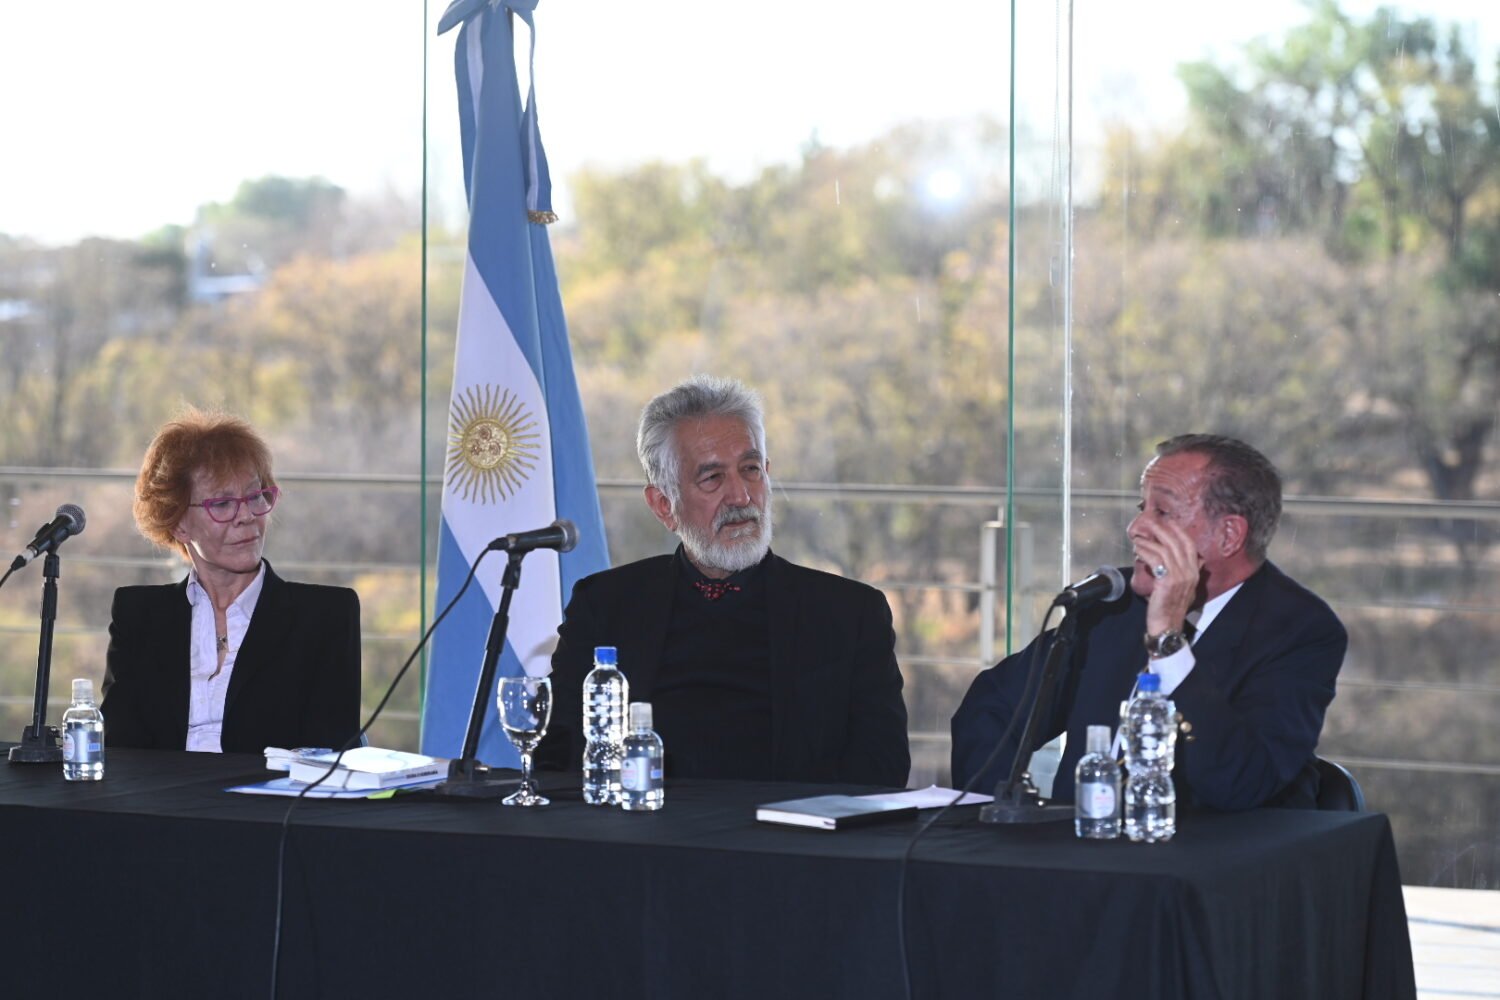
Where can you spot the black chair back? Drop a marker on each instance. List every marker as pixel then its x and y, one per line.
pixel 1337 789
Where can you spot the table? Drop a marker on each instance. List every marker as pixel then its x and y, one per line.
pixel 155 883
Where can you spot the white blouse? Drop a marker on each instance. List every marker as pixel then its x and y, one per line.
pixel 209 683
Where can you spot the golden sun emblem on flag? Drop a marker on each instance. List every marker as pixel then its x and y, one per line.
pixel 492 444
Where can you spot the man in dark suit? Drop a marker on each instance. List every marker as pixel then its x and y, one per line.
pixel 1248 655
pixel 756 668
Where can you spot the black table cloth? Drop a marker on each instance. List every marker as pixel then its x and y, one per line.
pixel 157 883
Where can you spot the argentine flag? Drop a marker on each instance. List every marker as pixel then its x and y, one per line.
pixel 518 450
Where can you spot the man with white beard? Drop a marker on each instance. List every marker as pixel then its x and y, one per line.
pixel 756 668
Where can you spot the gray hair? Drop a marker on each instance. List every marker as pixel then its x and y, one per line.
pixel 1242 481
pixel 693 399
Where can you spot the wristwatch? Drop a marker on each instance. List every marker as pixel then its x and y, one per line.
pixel 1165 644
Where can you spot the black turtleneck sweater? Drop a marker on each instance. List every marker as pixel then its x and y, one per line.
pixel 712 699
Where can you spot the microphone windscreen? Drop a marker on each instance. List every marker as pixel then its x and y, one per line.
pixel 76 513
pixel 1116 582
pixel 569 532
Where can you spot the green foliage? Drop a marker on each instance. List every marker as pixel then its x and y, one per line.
pixel 296 202
pixel 1387 113
pixel 1377 140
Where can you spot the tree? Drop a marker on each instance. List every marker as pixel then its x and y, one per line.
pixel 66 305
pixel 1377 139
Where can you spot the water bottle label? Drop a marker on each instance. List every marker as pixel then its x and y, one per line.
pixel 1097 800
pixel 82 745
pixel 637 774
pixel 634 774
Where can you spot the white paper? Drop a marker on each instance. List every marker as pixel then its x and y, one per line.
pixel 931 797
pixel 376 760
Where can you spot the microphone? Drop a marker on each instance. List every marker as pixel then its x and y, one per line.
pixel 1105 584
pixel 560 535
pixel 69 521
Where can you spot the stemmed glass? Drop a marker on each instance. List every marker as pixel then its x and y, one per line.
pixel 525 708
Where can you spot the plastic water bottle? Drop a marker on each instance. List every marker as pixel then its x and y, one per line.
pixel 1096 806
pixel 83 735
pixel 641 770
pixel 1150 740
pixel 606 692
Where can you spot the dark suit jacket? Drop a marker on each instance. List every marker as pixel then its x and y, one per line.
pixel 295 681
pixel 1255 698
pixel 836 707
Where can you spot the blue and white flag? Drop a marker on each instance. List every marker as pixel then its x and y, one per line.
pixel 518 450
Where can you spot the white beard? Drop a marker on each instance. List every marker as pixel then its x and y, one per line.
pixel 734 554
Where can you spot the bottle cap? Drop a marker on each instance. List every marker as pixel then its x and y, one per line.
pixel 83 689
pixel 1148 682
pixel 606 656
pixel 640 715
pixel 1099 739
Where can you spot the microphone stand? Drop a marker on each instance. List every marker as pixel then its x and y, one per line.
pixel 39 741
pixel 468 777
pixel 1016 798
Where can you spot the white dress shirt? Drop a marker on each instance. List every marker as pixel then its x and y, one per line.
pixel 209 682
pixel 1174 669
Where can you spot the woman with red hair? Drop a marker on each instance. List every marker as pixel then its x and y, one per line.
pixel 233 658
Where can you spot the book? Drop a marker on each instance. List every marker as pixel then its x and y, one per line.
pixel 833 812
pixel 369 768
pixel 280 758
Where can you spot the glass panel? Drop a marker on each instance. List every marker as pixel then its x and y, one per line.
pixel 817 205
pixel 1287 231
pixel 1043 354
pixel 235 225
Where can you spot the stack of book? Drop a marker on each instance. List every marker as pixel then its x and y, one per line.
pixel 280 759
pixel 366 768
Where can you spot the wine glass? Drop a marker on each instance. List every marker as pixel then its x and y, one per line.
pixel 525 708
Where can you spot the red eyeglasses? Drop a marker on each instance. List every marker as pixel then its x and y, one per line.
pixel 226 509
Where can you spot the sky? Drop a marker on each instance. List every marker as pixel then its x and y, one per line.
pixel 121 118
